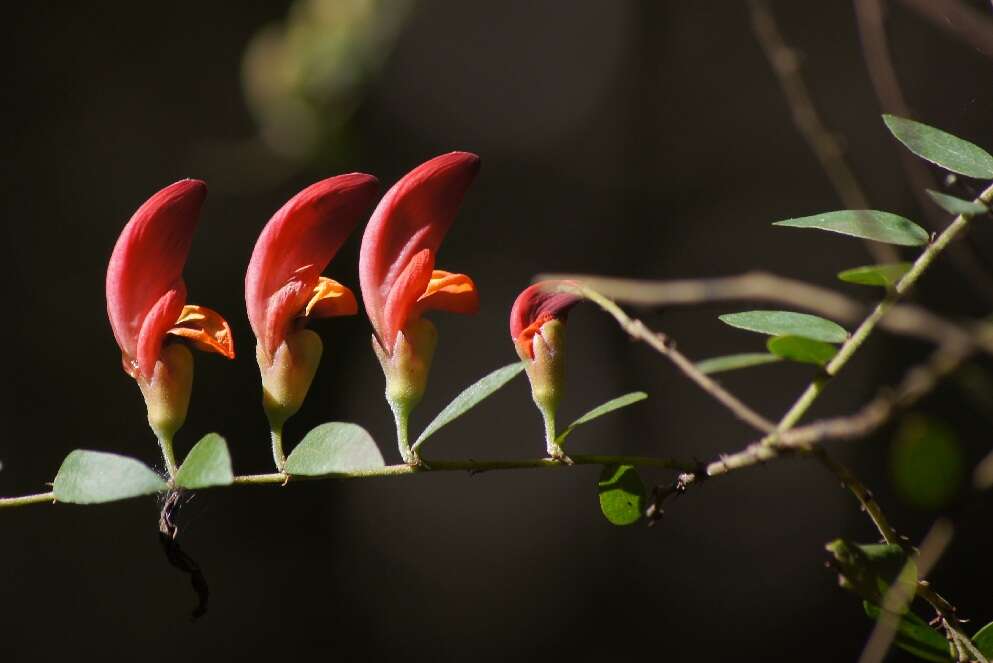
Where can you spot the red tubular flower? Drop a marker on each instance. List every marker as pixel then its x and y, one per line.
pixel 146 302
pixel 399 280
pixel 537 327
pixel 284 287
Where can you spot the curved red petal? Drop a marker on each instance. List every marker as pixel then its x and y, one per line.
pixel 538 304
pixel 160 319
pixel 148 259
pixel 406 290
pixel 296 246
pixel 412 217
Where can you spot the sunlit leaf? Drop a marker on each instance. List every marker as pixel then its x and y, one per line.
pixel 787 323
pixel 867 224
pixel 870 570
pixel 942 148
pixel 470 398
pixel 915 636
pixel 926 462
pixel 334 448
pixel 93 477
pixel 802 350
pixel 605 408
pixel 207 464
pixel 734 362
pixel 882 275
pixel 954 205
pixel 984 640
pixel 622 495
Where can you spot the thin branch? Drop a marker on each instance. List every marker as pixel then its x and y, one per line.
pixel 862 494
pixel 24 500
pixel 471 466
pixel 904 319
pixel 918 381
pixel 958 18
pixel 785 64
pixel 661 343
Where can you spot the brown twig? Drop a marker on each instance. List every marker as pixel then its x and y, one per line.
pixel 904 319
pixel 661 343
pixel 785 64
pixel 958 18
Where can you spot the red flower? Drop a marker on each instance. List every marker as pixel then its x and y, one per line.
pixel 146 295
pixel 284 286
pixel 146 302
pixel 284 289
pixel 396 262
pixel 537 327
pixel 400 282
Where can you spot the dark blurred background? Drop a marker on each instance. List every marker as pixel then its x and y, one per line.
pixel 645 139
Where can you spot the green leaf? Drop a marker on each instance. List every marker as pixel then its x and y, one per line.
pixel 622 495
pixel 944 149
pixel 915 636
pixel 802 350
pixel 926 462
pixel 984 640
pixel 881 275
pixel 954 205
pixel 208 464
pixel 734 362
pixel 867 224
pixel 870 569
pixel 787 323
pixel 336 447
pixel 600 410
pixel 470 398
pixel 94 477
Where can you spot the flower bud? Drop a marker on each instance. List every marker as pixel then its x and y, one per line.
pixel 286 378
pixel 167 393
pixel 546 369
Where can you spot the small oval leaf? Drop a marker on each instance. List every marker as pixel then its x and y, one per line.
pixel 867 224
pixel 802 350
pixel 954 205
pixel 948 151
pixel 622 495
pixel 94 477
pixel 915 636
pixel 605 408
pixel 984 640
pixel 736 361
pixel 470 398
pixel 336 447
pixel 885 276
pixel 787 323
pixel 208 464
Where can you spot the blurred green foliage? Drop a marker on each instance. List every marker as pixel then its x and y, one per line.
pixel 304 79
pixel 926 462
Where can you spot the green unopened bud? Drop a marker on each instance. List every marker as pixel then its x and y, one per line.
pixel 546 371
pixel 288 374
pixel 406 370
pixel 167 396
